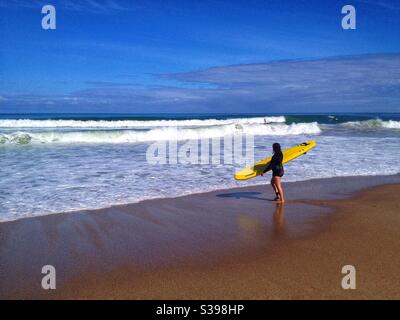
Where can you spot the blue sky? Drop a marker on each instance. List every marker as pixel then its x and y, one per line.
pixel 199 56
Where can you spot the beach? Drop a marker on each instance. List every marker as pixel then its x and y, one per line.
pixel 139 142
pixel 225 244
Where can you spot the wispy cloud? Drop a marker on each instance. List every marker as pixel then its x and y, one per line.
pixel 85 6
pixel 351 83
pixel 110 84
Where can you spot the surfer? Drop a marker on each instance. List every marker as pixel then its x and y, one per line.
pixel 277 172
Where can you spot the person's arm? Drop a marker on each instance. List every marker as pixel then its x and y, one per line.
pixel 279 158
pixel 271 164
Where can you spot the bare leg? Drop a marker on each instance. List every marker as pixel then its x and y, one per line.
pixel 278 185
pixel 275 189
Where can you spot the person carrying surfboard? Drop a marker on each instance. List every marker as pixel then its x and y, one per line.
pixel 277 172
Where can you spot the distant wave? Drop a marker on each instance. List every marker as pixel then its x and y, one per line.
pixel 157 134
pixel 373 124
pixel 121 124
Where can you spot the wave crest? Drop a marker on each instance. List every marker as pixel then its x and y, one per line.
pixel 373 124
pixel 158 134
pixel 121 124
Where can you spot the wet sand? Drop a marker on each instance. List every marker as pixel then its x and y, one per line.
pixel 227 244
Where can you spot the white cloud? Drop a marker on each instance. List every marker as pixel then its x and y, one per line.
pixel 352 83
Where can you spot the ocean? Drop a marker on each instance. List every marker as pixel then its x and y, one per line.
pixel 52 163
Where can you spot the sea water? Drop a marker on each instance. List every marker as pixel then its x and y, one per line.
pixel 57 163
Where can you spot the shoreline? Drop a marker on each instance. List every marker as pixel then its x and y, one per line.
pixel 165 240
pixel 377 180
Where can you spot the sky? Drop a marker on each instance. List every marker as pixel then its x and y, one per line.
pixel 199 56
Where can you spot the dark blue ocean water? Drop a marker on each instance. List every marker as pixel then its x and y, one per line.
pixel 320 118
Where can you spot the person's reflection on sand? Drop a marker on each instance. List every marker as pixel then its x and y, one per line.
pixel 279 219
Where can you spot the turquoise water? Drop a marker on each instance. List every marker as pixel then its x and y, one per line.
pixel 56 163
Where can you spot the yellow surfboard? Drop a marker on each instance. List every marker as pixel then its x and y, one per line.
pixel 288 155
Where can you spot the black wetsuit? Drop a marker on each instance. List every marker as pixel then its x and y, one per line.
pixel 276 165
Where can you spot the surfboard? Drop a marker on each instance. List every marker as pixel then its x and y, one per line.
pixel 288 155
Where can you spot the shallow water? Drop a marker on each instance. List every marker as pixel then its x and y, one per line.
pixel 52 165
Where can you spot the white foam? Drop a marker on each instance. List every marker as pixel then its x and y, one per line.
pixel 158 134
pixel 43 180
pixel 373 124
pixel 121 124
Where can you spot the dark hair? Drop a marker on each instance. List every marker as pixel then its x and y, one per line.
pixel 276 147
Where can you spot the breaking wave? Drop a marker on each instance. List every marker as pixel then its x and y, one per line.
pixel 157 134
pixel 373 124
pixel 123 124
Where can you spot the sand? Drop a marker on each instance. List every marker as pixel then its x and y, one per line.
pixel 227 244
